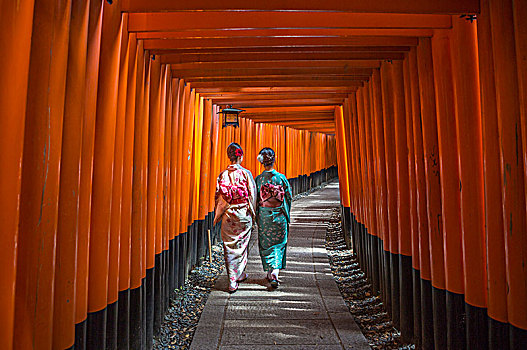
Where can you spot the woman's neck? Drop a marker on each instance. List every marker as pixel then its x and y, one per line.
pixel 269 168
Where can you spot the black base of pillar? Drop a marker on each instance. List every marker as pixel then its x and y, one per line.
pixel 518 338
pixel 150 300
pixel 171 267
pixel 177 262
pixel 439 309
pixel 158 293
pixel 144 313
pixel 416 276
pixel 396 292
pixel 374 251
pixel 80 335
pixel 136 318
pixel 112 314
pixel 96 330
pixel 455 320
pixel 387 283
pixel 123 324
pixel 406 298
pixel 427 316
pixel 498 335
pixel 476 328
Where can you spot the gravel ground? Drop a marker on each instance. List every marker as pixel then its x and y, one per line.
pixel 367 309
pixel 185 309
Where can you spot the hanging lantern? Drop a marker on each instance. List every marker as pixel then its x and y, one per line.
pixel 230 116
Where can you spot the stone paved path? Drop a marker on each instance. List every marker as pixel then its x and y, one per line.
pixel 305 312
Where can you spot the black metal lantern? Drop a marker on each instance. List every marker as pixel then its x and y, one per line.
pixel 230 116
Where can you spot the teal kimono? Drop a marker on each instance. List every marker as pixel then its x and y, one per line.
pixel 273 223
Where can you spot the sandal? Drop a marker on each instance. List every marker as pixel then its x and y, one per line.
pixel 243 278
pixel 232 290
pixel 274 283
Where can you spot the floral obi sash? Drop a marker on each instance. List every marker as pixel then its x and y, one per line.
pixel 271 195
pixel 234 193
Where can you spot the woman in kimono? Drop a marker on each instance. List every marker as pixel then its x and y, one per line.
pixel 273 214
pixel 235 203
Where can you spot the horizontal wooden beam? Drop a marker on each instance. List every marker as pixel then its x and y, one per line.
pixel 275 84
pixel 362 41
pixel 283 32
pixel 278 78
pixel 226 97
pixel 289 49
pixel 323 130
pixel 320 122
pixel 306 119
pixel 240 72
pixel 382 6
pixel 293 115
pixel 201 20
pixel 243 89
pixel 290 102
pixel 290 109
pixel 298 63
pixel 227 56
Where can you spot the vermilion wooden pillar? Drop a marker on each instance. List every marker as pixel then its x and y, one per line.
pixel 126 250
pixel 342 156
pixel 117 186
pixel 39 194
pixel 188 140
pixel 16 23
pixel 452 315
pixel 67 227
pixel 375 230
pixel 495 240
pixel 177 91
pixel 372 224
pixel 182 106
pixel 146 273
pixel 423 276
pixel 86 171
pixel 167 246
pixel 381 188
pixel 403 201
pixel 348 211
pixel 520 34
pixel 512 168
pixel 363 213
pixel 205 174
pixel 429 293
pixel 214 168
pixel 107 96
pixel 195 179
pixel 159 272
pixel 136 236
pixel 468 123
pixel 414 219
pixel 153 159
pixel 185 96
pixel 391 261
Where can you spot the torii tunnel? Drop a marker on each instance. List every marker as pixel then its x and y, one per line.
pixel 111 141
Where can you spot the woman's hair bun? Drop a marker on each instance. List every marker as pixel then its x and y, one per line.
pixel 234 151
pixel 266 156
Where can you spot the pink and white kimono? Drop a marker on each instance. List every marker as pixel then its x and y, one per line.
pixel 235 203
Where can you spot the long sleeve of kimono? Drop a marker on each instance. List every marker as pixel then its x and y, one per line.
pixel 221 204
pixel 252 192
pixel 288 198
